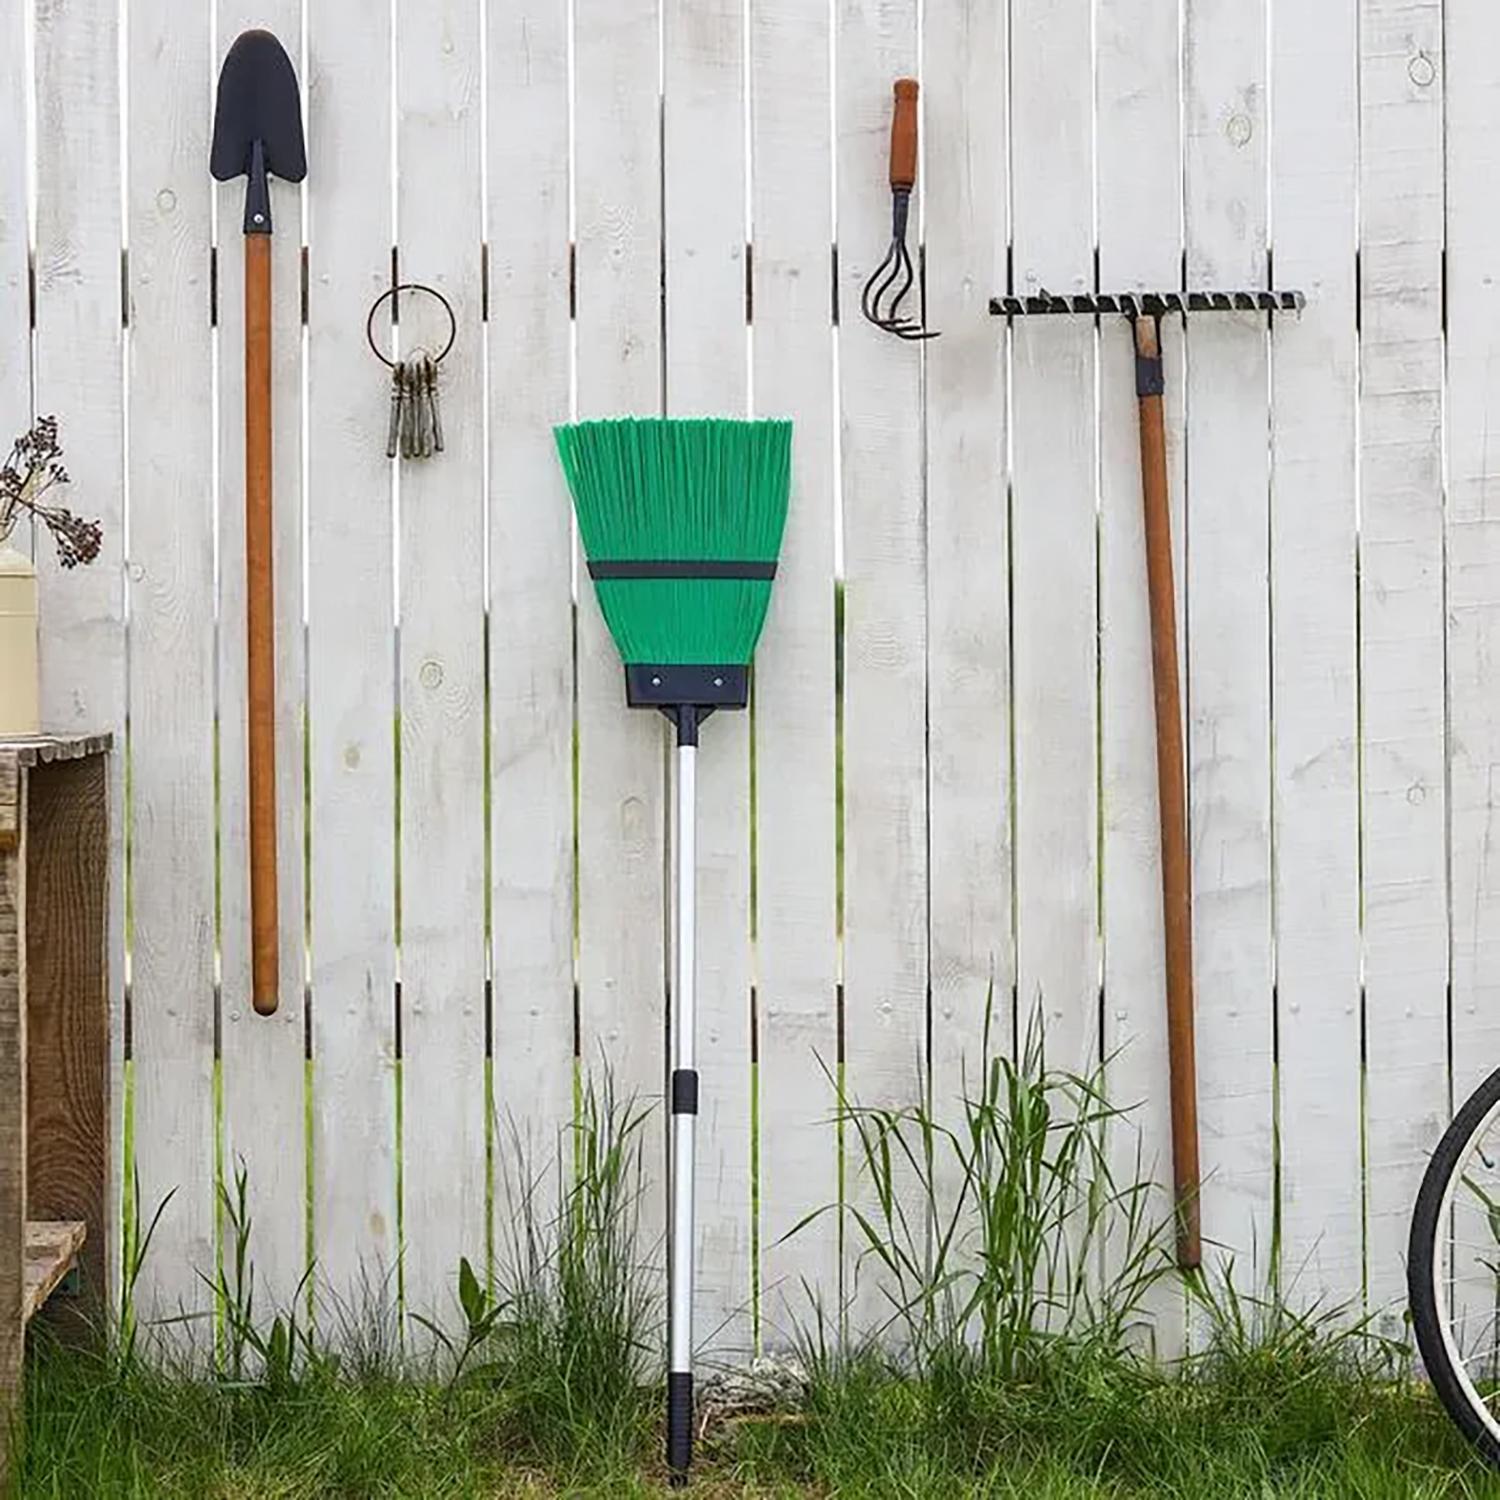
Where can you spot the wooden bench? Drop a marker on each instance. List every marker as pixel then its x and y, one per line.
pixel 54 1042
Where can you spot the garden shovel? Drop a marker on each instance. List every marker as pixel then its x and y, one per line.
pixel 258 134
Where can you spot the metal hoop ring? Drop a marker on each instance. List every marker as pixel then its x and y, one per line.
pixel 386 296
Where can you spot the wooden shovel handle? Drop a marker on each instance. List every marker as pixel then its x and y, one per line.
pixel 904 135
pixel 260 623
pixel 1171 779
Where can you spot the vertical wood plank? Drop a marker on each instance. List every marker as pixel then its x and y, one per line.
pixel 1314 683
pixel 171 579
pixel 1054 536
pixel 12 1095
pixel 15 247
pixel 262 1057
pixel 1401 619
pixel 1472 32
pixel 440 225
pixel 968 596
pixel 1472 589
pixel 796 880
pixel 621 823
pixel 885 609
pixel 1140 247
pixel 706 353
pixel 531 613
pixel 351 658
pixel 78 371
pixel 1229 630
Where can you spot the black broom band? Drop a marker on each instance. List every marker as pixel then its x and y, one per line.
pixel 685 568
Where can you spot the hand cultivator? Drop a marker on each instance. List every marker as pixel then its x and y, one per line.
pixel 893 278
pixel 1145 311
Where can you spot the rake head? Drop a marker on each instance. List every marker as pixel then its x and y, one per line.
pixel 1147 304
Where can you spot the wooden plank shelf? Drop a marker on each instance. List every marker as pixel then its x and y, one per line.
pixel 52 1247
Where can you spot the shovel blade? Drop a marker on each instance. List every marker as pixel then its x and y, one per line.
pixel 258 101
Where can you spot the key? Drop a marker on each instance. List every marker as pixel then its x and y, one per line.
pixel 432 406
pixel 409 418
pixel 398 397
pixel 424 411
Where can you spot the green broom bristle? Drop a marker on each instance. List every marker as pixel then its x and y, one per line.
pixel 680 490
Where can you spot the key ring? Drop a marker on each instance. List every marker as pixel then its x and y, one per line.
pixel 386 296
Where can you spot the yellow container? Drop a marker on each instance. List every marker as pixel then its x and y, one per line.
pixel 19 699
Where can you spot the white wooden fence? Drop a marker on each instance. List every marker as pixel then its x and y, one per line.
pixel 605 189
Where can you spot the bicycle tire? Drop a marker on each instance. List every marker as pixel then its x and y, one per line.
pixel 1426 1294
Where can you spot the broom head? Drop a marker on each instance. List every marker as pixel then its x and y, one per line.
pixel 681 523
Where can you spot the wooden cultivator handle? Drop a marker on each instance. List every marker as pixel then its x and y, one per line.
pixel 1171 779
pixel 260 625
pixel 904 135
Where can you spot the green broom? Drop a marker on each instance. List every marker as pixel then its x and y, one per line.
pixel 681 522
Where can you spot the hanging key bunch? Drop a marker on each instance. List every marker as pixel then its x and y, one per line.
pixel 415 427
pixel 33 469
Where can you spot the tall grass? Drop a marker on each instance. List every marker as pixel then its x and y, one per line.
pixel 1011 1259
pixel 1001 1238
pixel 571 1333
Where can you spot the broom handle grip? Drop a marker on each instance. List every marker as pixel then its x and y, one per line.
pixel 1176 866
pixel 904 136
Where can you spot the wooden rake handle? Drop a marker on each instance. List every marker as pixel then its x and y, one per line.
pixel 904 135
pixel 260 623
pixel 1171 778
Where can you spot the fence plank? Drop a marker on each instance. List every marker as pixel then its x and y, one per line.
pixel 621 822
pixel 171 578
pixel 1054 536
pixel 441 619
pixel 78 375
pixel 351 662
pixel 531 602
pixel 968 594
pixel 263 1073
pixel 15 230
pixel 1472 32
pixel 1315 790
pixel 795 751
pixel 1401 619
pixel 1229 629
pixel 706 356
pixel 1140 247
pixel 885 606
pixel 1472 560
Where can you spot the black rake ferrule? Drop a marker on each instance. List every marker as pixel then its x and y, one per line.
pixel 1145 304
pixel 683 568
pixel 679 1426
pixel 1150 379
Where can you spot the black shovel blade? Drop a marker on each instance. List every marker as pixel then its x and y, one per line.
pixel 258 102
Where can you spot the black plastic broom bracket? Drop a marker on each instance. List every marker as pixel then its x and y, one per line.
pixel 687 717
pixel 687 695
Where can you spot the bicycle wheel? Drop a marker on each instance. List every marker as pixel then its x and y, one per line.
pixel 1453 1269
